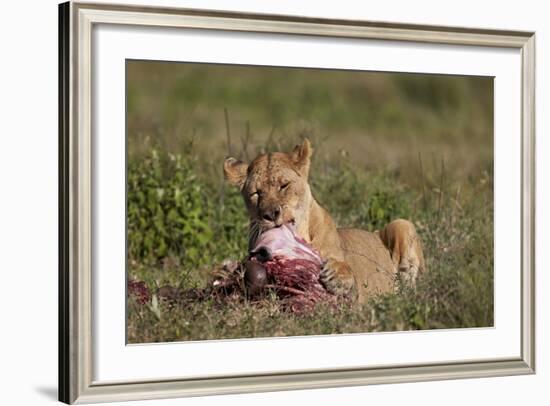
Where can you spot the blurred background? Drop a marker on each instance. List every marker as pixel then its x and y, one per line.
pixel 386 145
pixel 382 120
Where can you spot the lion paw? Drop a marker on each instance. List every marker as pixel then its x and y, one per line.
pixel 337 278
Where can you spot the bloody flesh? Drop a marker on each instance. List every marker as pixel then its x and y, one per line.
pixel 292 267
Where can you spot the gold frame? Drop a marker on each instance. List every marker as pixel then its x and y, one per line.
pixel 76 21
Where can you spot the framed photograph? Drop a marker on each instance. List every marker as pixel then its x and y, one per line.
pixel 262 202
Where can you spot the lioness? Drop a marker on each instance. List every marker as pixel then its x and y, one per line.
pixel 359 264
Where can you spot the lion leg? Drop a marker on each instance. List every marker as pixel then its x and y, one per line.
pixel 338 279
pixel 405 248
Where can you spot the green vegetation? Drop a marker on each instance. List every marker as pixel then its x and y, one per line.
pixel 386 146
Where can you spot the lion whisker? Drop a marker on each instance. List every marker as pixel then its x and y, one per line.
pixel 254 233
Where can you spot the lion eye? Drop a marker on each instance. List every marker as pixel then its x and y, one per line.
pixel 284 185
pixel 256 193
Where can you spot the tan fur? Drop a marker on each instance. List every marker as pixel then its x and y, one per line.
pixel 405 249
pixel 361 264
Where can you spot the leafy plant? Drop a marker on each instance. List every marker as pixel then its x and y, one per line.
pixel 167 211
pixel 360 198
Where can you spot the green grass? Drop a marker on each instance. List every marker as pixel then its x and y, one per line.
pixel 386 146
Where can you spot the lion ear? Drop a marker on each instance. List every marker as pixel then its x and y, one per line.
pixel 301 156
pixel 235 171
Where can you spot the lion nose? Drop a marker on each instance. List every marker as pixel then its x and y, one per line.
pixel 272 215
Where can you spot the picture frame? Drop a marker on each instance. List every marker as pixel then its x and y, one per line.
pixel 76 215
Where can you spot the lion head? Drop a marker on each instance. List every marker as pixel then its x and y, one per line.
pixel 274 186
